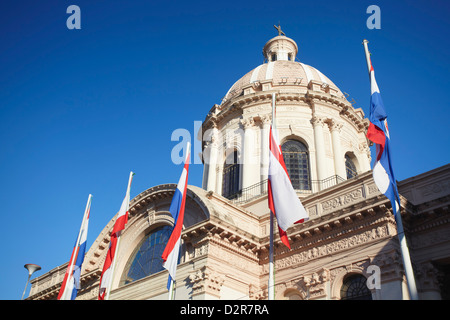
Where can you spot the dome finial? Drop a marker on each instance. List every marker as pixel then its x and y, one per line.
pixel 280 47
pixel 280 32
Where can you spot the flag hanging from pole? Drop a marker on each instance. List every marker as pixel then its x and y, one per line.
pixel 172 249
pixel 71 282
pixel 119 225
pixel 383 174
pixel 378 133
pixel 283 200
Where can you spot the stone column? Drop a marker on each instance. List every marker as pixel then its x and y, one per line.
pixel 265 130
pixel 247 163
pixel 339 159
pixel 219 177
pixel 319 143
pixel 211 161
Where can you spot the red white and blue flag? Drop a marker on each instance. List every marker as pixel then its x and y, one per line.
pixel 119 225
pixel 283 200
pixel 71 282
pixel 172 249
pixel 378 133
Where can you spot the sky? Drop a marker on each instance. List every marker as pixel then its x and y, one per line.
pixel 81 108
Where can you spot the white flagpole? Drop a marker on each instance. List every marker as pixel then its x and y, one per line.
pixel 411 282
pixel 271 284
pixel 406 258
pixel 108 292
pixel 171 289
pixel 77 245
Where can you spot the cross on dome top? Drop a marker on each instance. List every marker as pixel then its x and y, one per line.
pixel 280 32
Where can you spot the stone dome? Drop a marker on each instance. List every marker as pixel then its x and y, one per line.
pixel 283 72
pixel 312 113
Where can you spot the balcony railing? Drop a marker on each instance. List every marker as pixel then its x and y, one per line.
pixel 260 188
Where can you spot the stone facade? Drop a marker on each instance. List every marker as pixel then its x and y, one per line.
pixel 225 250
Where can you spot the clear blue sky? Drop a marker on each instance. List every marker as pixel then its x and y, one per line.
pixel 80 109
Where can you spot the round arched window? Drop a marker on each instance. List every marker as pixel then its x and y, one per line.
pixel 146 259
pixel 350 167
pixel 231 174
pixel 295 155
pixel 355 288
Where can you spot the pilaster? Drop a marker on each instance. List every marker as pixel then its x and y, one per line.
pixel 319 142
pixel 338 157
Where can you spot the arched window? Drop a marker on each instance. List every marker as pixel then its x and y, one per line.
pixel 292 295
pixel 296 158
pixel 350 167
pixel 146 259
pixel 231 174
pixel 355 288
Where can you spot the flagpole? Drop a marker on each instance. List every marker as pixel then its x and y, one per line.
pixel 172 281
pixel 77 243
pixel 108 292
pixel 171 289
pixel 271 284
pixel 411 282
pixel 406 258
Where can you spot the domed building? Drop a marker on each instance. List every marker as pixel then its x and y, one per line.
pixel 322 135
pixel 351 234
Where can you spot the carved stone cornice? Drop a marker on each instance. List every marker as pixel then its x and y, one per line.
pixel 340 231
pixel 225 236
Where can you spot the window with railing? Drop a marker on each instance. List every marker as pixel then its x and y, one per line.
pixel 296 158
pixel 231 175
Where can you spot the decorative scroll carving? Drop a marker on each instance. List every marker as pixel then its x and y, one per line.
pixel 330 248
pixel 317 121
pixel 334 125
pixel 206 280
pixel 247 122
pixel 341 201
pixel 316 283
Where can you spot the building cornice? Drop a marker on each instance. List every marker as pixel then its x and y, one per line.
pixel 235 106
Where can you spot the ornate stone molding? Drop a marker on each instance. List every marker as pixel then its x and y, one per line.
pixel 428 277
pixel 331 237
pixel 317 121
pixel 315 283
pixel 206 281
pixel 335 125
pixel 247 123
